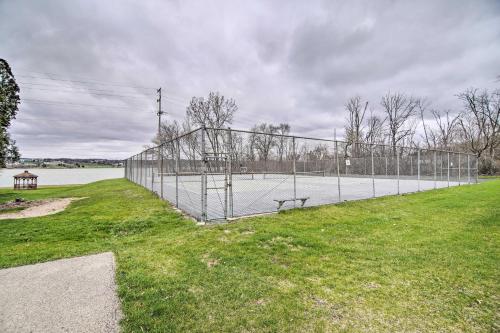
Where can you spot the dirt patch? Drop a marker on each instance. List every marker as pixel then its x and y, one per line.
pixel 35 208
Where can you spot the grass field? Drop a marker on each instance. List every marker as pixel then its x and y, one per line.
pixel 424 262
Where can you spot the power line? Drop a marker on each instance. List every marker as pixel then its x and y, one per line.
pixel 79 88
pixel 94 82
pixel 93 91
pixel 87 92
pixel 49 102
pixel 81 105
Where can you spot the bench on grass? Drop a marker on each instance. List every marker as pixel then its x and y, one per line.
pixel 282 201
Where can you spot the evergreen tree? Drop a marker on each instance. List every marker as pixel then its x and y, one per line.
pixel 9 100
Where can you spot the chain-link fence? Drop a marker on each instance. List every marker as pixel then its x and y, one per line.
pixel 215 174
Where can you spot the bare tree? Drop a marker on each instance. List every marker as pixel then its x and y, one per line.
pixel 375 130
pixel 168 131
pixel 479 122
pixel 264 142
pixel 318 153
pixel 446 124
pixel 281 140
pixel 250 147
pixel 442 131
pixel 354 122
pixel 428 134
pixel 190 144
pixel 214 112
pixel 400 110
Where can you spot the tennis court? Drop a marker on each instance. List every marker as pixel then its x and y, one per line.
pixel 214 174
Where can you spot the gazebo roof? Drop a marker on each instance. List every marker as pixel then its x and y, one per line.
pixel 26 174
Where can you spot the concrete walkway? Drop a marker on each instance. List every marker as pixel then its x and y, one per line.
pixel 67 295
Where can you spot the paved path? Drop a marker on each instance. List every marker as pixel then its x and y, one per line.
pixel 67 295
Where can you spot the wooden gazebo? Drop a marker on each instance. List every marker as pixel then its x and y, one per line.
pixel 25 181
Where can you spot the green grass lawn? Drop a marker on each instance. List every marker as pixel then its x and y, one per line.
pixel 423 262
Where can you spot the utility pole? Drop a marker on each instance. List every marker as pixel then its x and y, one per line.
pixel 159 113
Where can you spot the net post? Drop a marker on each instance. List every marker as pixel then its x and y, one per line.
pixel 468 169
pixel 230 171
pixel 203 177
pixel 448 176
pixel 177 161
pixel 459 174
pixel 294 173
pixel 435 169
pixel 418 169
pixel 397 166
pixel 160 167
pixel 373 172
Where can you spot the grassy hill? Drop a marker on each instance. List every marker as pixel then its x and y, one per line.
pixel 421 262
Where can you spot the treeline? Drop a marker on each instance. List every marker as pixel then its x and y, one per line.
pixel 396 120
pixel 402 120
pixel 216 112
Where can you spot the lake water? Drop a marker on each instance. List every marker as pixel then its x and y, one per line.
pixel 62 176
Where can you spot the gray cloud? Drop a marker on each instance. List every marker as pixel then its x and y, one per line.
pixel 282 61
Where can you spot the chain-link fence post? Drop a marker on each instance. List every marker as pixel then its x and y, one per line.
pixel 373 172
pixel 418 169
pixel 225 161
pixel 477 169
pixel 140 169
pixel 146 169
pixel 177 166
pixel 338 169
pixel 448 176
pixel 153 171
pixel 411 165
pixel 230 171
pixel 397 167
pixel 386 168
pixel 160 169
pixel 294 173
pixel 435 169
pixel 468 169
pixel 136 168
pixel 203 177
pixel 132 168
pixel 459 169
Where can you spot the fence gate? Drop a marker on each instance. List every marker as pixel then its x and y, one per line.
pixel 216 192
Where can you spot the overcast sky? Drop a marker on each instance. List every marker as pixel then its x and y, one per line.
pixel 282 61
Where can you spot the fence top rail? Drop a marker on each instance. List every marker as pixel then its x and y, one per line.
pixel 293 137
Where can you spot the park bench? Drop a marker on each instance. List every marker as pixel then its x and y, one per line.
pixel 282 201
